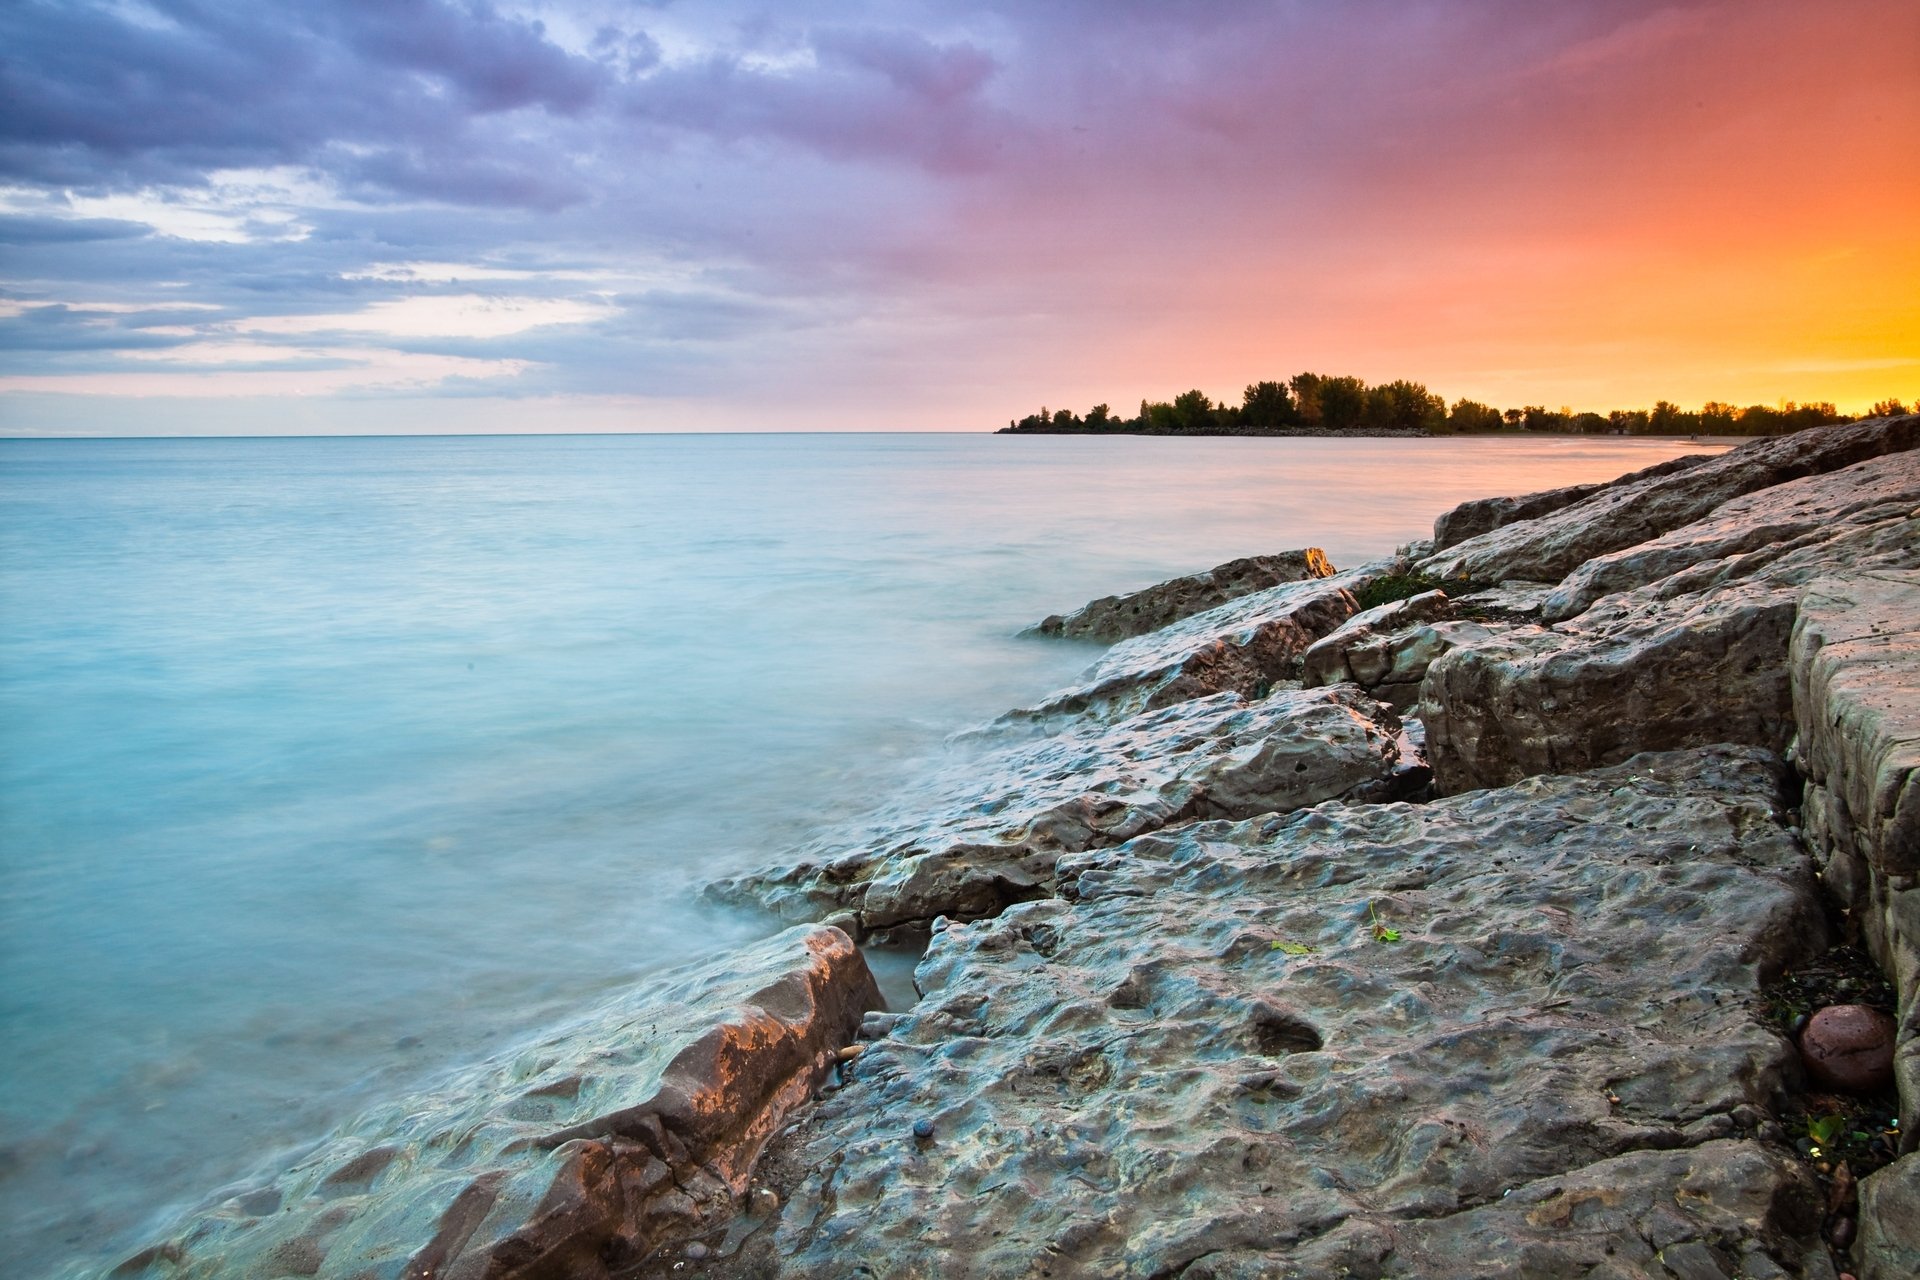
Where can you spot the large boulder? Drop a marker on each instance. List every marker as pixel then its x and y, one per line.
pixel 1510 1033
pixel 1529 700
pixel 1113 618
pixel 579 1155
pixel 1621 515
pixel 988 831
pixel 1693 651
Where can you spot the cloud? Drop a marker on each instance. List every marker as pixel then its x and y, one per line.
pixel 900 199
pixel 441 316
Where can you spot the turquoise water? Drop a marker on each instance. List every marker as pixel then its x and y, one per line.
pixel 326 763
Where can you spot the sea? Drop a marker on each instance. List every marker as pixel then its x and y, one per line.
pixel 330 764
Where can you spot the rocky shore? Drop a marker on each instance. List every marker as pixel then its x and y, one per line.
pixel 1468 914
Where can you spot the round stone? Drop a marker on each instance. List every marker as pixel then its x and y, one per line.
pixel 1849 1047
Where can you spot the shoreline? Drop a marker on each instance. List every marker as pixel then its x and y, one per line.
pixel 1217 831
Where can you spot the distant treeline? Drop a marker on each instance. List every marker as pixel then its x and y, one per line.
pixel 1316 402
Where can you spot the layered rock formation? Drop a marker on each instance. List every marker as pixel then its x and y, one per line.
pixel 1217 987
pixel 1515 1031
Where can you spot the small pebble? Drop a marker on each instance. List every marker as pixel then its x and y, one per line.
pixel 1841 1232
pixel 697 1252
pixel 849 1053
pixel 764 1200
pixel 923 1130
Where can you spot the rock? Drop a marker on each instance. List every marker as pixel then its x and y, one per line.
pixel 1510 597
pixel 1530 700
pixel 1363 648
pixel 1855 666
pixel 1695 657
pixel 1849 1047
pixel 1483 515
pixel 1627 513
pixel 1753 530
pixel 1113 618
pixel 1202 1059
pixel 1888 1247
pixel 1245 646
pixel 630 1131
pixel 989 831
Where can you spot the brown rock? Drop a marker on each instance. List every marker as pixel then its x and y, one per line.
pixel 1850 1047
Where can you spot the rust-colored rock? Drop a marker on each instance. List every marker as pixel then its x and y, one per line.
pixel 1849 1047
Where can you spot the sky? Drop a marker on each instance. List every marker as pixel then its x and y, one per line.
pixel 224 216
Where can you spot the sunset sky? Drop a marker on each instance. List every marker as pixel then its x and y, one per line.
pixel 428 215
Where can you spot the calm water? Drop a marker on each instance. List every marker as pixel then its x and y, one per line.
pixel 327 763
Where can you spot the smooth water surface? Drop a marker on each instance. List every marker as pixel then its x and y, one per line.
pixel 326 763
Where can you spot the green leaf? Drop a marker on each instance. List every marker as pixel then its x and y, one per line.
pixel 1385 934
pixel 1290 948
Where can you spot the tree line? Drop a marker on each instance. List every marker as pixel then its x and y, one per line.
pixel 1320 403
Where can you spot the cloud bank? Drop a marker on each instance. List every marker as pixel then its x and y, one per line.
pixel 927 215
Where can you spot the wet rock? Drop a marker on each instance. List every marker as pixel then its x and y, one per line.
pixel 1483 515
pixel 1113 618
pixel 1633 511
pixel 1513 597
pixel 627 1132
pixel 1698 656
pixel 1531 700
pixel 1888 1247
pixel 1849 1047
pixel 1204 1058
pixel 1855 665
pixel 1749 532
pixel 1245 646
pixel 1371 647
pixel 989 831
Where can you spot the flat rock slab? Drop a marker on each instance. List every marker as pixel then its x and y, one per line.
pixel 1113 618
pixel 989 831
pixel 1484 515
pixel 1244 646
pixel 1627 513
pixel 1759 527
pixel 1208 1058
pixel 589 1149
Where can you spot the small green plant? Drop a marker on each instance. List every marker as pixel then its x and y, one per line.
pixel 1381 933
pixel 1290 948
pixel 1397 586
pixel 1824 1131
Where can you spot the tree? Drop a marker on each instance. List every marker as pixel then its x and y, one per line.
pixel 1888 409
pixel 1401 406
pixel 1471 415
pixel 1192 411
pixel 1332 404
pixel 1267 405
pixel 1158 416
